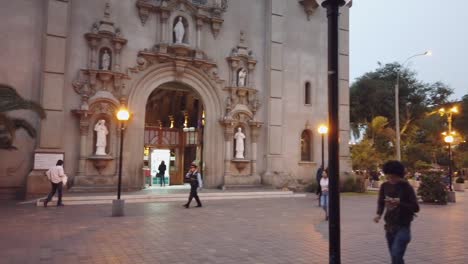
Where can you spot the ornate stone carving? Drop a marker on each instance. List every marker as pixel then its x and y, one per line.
pixel 181 55
pixel 242 64
pixel 240 138
pixel 309 7
pixel 103 73
pixel 209 12
pixel 101 137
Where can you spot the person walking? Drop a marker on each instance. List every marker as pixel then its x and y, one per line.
pixel 162 172
pixel 324 194
pixel 398 200
pixel 318 177
pixel 195 180
pixel 57 177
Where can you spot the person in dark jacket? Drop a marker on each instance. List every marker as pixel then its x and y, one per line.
pixel 195 180
pixel 398 200
pixel 162 172
pixel 318 177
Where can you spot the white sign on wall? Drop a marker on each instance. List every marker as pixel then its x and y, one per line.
pixel 44 161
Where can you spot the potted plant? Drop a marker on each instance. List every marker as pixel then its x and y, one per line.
pixel 460 184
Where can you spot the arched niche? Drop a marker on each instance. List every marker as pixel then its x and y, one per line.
pixel 306 146
pixel 187 31
pixel 102 52
pixel 247 140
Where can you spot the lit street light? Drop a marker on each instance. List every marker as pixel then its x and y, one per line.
pixel 448 138
pixel 323 129
pixel 397 106
pixel 118 205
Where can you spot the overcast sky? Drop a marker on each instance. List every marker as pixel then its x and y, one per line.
pixel 389 31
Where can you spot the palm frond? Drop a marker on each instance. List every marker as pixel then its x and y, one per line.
pixel 7 132
pixel 21 123
pixel 10 100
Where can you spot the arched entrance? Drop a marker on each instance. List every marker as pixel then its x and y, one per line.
pixel 158 77
pixel 174 123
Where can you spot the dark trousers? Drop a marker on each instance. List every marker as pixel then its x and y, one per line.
pixel 56 187
pixel 162 180
pixel 397 242
pixel 194 194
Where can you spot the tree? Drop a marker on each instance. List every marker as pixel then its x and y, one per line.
pixel 10 100
pixel 373 114
pixel 373 94
pixel 364 156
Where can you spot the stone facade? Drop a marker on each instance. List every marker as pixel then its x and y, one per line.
pixel 249 61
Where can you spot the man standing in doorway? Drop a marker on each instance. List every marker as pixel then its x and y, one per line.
pixel 57 177
pixel 397 198
pixel 194 178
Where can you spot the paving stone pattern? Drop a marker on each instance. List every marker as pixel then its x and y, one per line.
pixel 270 231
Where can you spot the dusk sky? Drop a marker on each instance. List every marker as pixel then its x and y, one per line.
pixel 389 31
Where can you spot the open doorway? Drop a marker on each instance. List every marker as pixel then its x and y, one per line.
pixel 173 131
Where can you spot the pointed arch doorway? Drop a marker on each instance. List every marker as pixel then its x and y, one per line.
pixel 174 121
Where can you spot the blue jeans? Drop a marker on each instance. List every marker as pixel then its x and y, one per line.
pixel 397 242
pixel 324 201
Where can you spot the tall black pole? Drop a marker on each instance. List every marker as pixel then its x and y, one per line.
pixel 333 7
pixel 119 186
pixel 323 151
pixel 450 166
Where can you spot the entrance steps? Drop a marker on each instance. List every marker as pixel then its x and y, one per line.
pixel 175 197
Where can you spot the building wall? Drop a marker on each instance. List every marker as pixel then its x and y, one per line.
pixel 21 53
pixel 267 25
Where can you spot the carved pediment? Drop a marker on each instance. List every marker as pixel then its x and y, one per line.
pixel 181 55
pixel 205 11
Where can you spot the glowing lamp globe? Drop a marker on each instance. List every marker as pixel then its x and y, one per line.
pixel 123 114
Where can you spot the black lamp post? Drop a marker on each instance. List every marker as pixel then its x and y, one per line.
pixel 449 140
pixel 118 205
pixel 323 129
pixel 333 7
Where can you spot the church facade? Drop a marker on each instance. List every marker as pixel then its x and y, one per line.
pixel 236 86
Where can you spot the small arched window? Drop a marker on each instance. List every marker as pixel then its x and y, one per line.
pixel 307 94
pixel 306 146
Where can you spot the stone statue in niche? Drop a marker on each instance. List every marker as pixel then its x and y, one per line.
pixel 242 75
pixel 179 31
pixel 105 61
pixel 101 137
pixel 239 137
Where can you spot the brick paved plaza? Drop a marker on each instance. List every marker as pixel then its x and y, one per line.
pixel 281 230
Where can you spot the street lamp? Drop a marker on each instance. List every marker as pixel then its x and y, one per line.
pixel 397 106
pixel 118 205
pixel 333 13
pixel 449 140
pixel 323 129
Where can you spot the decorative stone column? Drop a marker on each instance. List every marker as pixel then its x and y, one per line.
pixel 254 133
pixel 164 16
pixel 118 45
pixel 84 128
pixel 228 140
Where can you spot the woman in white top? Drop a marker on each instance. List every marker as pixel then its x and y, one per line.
pixel 324 196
